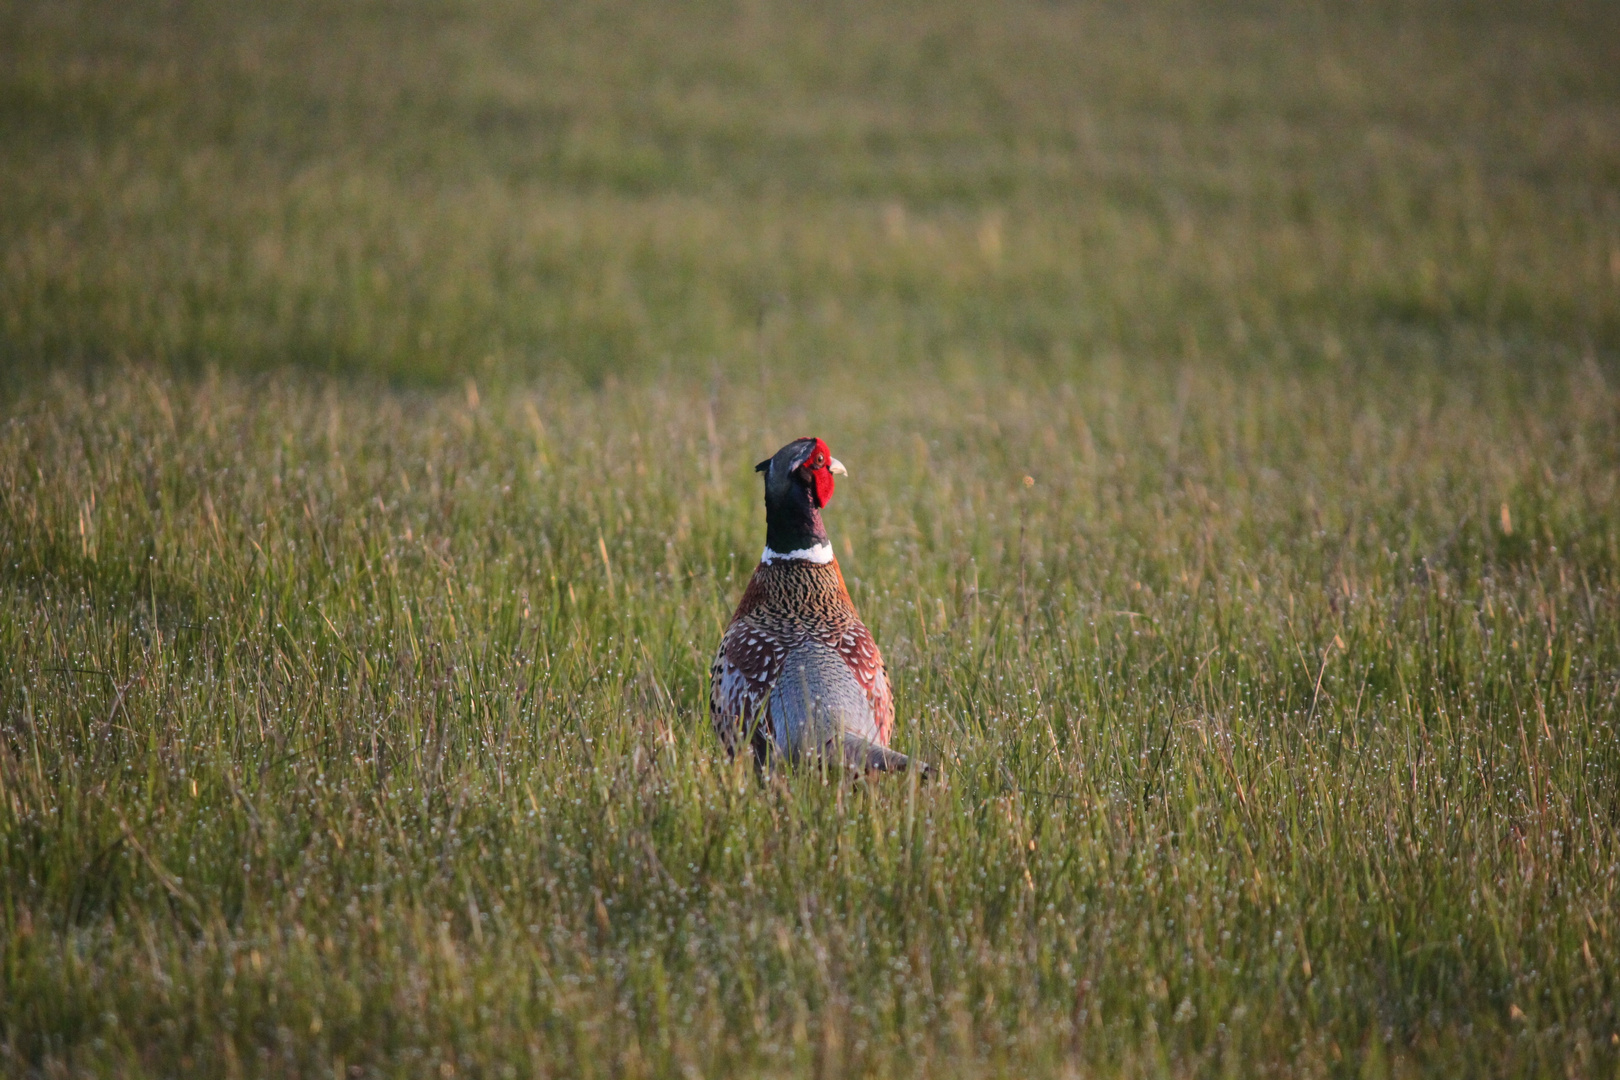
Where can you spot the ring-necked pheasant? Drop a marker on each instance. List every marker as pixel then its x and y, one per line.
pixel 798 675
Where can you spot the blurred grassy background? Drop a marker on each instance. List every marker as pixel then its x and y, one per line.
pixel 431 189
pixel 379 389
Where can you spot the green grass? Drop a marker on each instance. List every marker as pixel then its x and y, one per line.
pixel 379 390
pixel 420 190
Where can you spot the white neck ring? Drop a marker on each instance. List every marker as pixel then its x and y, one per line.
pixel 820 553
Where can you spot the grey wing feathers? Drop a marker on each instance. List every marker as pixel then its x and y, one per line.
pixel 817 698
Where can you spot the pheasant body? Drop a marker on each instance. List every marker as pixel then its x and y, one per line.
pixel 797 674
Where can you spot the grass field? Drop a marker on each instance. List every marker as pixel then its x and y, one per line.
pixel 1231 397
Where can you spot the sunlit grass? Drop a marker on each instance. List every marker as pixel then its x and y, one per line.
pixel 1229 398
pixel 1276 723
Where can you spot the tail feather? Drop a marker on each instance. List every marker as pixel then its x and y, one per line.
pixel 865 756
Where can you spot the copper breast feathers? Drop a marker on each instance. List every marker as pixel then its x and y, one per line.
pixel 797 669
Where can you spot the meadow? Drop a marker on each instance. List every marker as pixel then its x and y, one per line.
pixel 1231 399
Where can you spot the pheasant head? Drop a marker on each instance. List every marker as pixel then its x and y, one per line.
pixel 798 484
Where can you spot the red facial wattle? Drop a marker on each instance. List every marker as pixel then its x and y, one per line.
pixel 821 485
pixel 818 471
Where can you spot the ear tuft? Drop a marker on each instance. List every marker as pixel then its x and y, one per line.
pixel 762 466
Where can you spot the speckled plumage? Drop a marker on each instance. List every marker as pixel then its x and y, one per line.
pixel 797 673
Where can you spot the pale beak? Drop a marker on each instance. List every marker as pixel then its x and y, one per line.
pixel 836 467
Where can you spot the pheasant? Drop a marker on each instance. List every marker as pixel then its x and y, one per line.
pixel 798 675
